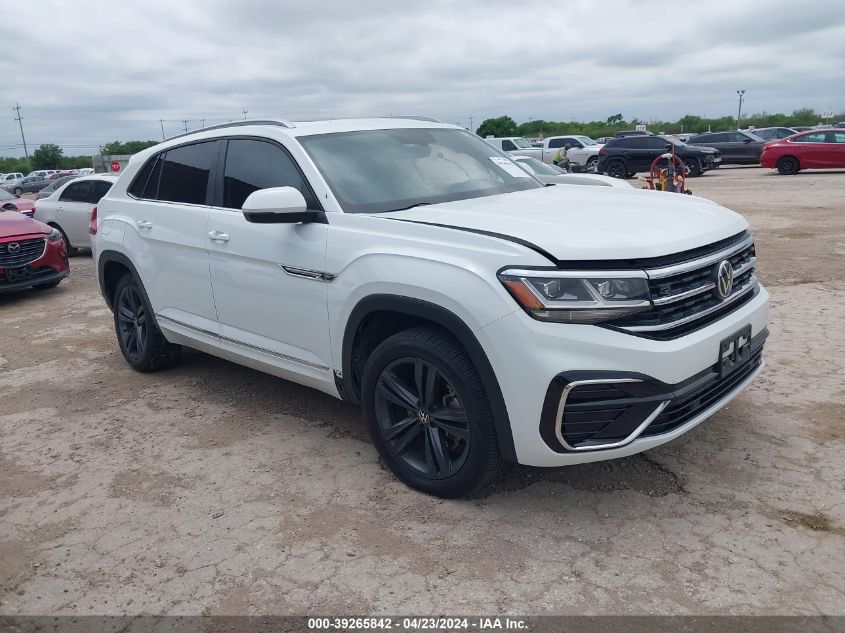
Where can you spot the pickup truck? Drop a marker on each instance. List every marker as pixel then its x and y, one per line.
pixel 583 151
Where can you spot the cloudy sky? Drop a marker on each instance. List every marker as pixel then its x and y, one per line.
pixel 89 72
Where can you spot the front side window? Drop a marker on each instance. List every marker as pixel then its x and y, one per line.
pixel 184 173
pixel 77 192
pixel 508 146
pixel 373 171
pixel 252 165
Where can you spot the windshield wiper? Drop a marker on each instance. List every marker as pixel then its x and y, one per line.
pixel 411 206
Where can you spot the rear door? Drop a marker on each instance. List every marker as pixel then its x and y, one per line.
pixel 812 150
pixel 167 237
pixel 73 212
pixel 838 149
pixel 271 302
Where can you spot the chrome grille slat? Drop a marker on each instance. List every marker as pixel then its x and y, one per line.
pixel 30 250
pixel 684 294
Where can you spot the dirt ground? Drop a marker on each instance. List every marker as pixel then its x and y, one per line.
pixel 215 489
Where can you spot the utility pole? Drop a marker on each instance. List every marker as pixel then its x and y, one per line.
pixel 741 94
pixel 471 129
pixel 185 121
pixel 245 112
pixel 19 119
pixel 203 122
pixel 161 122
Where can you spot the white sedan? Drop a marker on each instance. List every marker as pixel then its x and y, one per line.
pixel 550 174
pixel 69 208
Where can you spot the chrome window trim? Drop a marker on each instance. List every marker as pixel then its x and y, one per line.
pixel 263 350
pixel 596 447
pixel 668 271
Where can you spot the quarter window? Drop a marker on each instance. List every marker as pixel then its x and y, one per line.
pixel 252 165
pixel 77 192
pixel 184 173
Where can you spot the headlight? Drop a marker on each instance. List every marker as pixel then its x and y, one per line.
pixel 55 235
pixel 577 297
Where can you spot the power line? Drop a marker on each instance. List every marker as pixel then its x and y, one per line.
pixel 19 119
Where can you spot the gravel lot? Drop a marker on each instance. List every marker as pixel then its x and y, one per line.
pixel 214 489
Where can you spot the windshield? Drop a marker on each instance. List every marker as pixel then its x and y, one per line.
pixel 538 167
pixel 375 171
pixel 586 140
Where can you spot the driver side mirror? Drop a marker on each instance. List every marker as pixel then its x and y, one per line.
pixel 277 205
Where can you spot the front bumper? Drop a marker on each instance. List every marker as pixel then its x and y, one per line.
pixel 528 357
pixel 51 265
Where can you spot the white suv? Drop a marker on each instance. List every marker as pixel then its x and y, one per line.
pixel 478 316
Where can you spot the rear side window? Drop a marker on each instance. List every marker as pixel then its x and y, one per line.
pixel 557 142
pixel 138 186
pixel 77 192
pixel 252 165
pixel 100 188
pixel 184 173
pixel 508 146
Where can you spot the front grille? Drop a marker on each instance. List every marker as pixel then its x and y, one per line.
pixel 29 251
pixel 699 396
pixel 684 295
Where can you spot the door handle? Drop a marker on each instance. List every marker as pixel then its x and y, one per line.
pixel 145 224
pixel 217 236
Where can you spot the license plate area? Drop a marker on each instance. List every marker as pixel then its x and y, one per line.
pixel 18 274
pixel 735 351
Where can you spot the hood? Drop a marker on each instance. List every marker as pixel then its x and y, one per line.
pixel 13 224
pixel 590 223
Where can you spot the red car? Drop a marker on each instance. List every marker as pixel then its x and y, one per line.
pixel 32 254
pixel 816 149
pixel 9 202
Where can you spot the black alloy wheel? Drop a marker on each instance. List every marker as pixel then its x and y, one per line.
pixel 693 167
pixel 616 169
pixel 421 418
pixel 132 323
pixel 788 166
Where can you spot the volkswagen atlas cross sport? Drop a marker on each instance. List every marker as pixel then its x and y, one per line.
pixel 476 315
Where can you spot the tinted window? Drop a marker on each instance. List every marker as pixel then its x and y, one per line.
pixel 253 165
pixel 101 188
pixel 184 173
pixel 557 142
pixel 137 187
pixel 635 142
pixel 657 142
pixel 77 192
pixel 508 146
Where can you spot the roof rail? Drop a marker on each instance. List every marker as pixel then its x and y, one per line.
pixel 220 126
pixel 414 117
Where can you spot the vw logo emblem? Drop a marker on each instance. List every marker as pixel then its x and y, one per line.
pixel 424 416
pixel 724 279
pixel 14 248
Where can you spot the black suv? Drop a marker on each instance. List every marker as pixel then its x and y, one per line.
pixel 737 147
pixel 624 157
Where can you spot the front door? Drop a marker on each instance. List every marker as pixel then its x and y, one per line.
pixel 73 213
pixel 271 301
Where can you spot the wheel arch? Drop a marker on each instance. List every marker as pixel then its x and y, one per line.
pixel 111 266
pixel 376 317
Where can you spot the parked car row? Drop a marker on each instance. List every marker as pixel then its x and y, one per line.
pixel 35 181
pixel 582 153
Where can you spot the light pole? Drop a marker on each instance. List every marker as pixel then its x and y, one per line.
pixel 741 94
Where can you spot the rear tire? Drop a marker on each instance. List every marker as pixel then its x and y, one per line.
pixel 141 342
pixel 788 166
pixel 71 250
pixel 617 169
pixel 428 414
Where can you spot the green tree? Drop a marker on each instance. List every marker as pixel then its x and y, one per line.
pixel 129 147
pixel 616 119
pixel 47 156
pixel 500 126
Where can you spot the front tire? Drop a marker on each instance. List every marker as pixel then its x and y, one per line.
pixel 591 163
pixel 428 414
pixel 693 166
pixel 141 342
pixel 788 166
